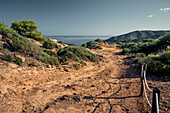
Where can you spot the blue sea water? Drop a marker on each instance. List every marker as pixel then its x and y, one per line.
pixel 77 40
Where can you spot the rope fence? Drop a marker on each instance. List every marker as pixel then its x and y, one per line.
pixel 155 91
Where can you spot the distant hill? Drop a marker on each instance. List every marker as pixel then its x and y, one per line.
pixel 137 36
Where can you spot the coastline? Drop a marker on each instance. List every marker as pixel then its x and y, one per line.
pixel 76 40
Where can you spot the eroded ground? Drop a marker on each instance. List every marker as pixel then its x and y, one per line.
pixel 110 86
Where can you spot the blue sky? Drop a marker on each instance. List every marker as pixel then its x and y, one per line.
pixel 89 17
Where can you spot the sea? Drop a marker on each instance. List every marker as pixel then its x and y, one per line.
pixel 77 40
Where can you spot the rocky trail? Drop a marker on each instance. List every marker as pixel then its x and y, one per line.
pixel 111 85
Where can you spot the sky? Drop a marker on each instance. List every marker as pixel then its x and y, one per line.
pixel 88 17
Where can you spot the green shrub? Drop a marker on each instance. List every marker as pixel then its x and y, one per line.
pixel 52 60
pixel 91 45
pixel 71 45
pixel 25 46
pixel 7 57
pixel 48 44
pixel 1 46
pixel 140 55
pixel 76 66
pixel 159 64
pixel 35 35
pixel 28 28
pixel 18 61
pixel 155 66
pixel 148 40
pixel 7 32
pixel 165 58
pixel 73 52
pixel 65 63
pixel 147 46
pixel 168 47
pixel 147 51
pixel 51 53
pixel 43 59
pixel 77 59
pixel 84 45
pixel 98 47
pixel 24 26
pixel 33 64
pixel 83 63
pixel 56 46
pixel 125 51
pixel 60 42
pixel 159 68
pixel 99 40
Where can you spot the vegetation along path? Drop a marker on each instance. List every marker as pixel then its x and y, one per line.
pixel 109 86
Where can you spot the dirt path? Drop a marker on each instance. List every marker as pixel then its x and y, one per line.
pixel 109 86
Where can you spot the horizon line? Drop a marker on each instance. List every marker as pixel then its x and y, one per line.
pixel 81 35
pixel 114 35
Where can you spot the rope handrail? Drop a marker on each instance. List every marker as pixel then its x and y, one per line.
pixel 146 82
pixel 146 95
pixel 155 91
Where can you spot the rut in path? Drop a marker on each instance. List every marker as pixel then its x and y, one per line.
pixel 104 87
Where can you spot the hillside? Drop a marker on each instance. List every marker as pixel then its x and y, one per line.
pixel 154 52
pixel 137 36
pixel 24 45
pixel 43 76
pixel 110 85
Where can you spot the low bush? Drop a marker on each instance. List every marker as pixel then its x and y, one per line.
pixel 84 45
pixel 49 60
pixel 125 51
pixel 99 40
pixel 83 63
pixel 168 48
pixel 48 44
pixel 25 46
pixel 73 52
pixel 76 66
pixel 8 57
pixel 32 64
pixel 159 68
pixel 51 53
pixel 35 35
pixel 91 45
pixel 1 46
pixel 140 55
pixel 165 57
pixel 7 32
pixel 60 42
pixel 154 52
pixel 56 46
pixel 53 60
pixel 11 58
pixel 71 45
pixel 159 64
pixel 18 61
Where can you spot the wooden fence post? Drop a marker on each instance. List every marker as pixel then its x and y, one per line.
pixel 142 72
pixel 155 100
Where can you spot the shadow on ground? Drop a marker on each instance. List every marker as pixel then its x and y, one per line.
pixel 112 96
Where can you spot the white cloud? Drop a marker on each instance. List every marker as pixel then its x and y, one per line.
pixel 164 9
pixel 150 16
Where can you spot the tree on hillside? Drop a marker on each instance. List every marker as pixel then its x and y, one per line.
pixel 28 28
